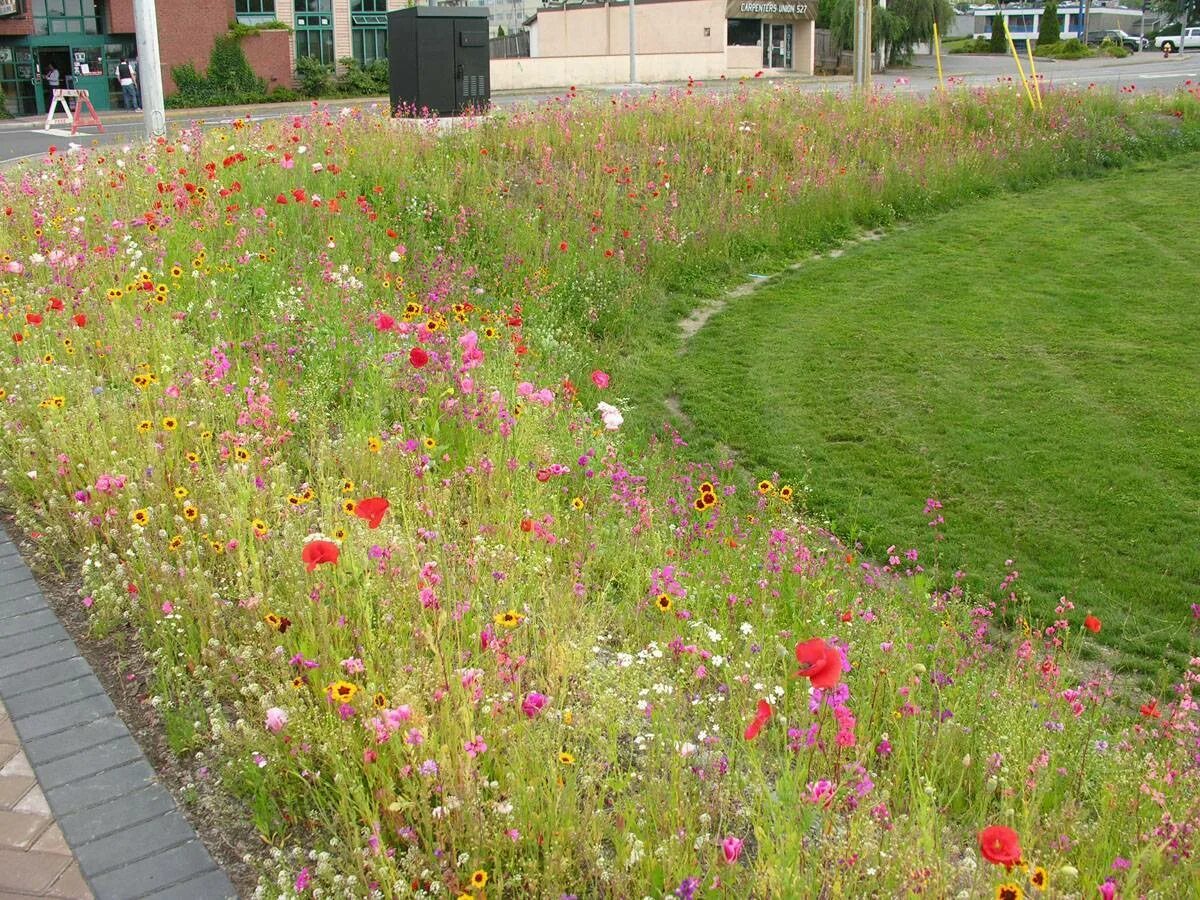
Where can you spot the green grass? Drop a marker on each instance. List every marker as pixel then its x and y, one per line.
pixel 1032 360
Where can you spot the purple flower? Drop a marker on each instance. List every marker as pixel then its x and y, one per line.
pixel 687 888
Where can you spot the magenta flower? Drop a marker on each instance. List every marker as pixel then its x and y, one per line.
pixel 600 379
pixel 533 704
pixel 731 847
pixel 276 719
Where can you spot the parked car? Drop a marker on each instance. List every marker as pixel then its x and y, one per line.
pixel 1172 43
pixel 1130 42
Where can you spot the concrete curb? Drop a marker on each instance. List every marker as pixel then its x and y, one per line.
pixel 128 835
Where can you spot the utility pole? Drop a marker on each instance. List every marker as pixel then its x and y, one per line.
pixel 632 45
pixel 149 68
pixel 862 44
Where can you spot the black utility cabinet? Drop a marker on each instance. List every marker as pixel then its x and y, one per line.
pixel 439 58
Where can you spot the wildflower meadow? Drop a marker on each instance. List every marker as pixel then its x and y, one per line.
pixel 342 421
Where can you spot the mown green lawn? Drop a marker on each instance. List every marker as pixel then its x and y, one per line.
pixel 1032 360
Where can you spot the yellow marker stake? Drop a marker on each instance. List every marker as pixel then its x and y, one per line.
pixel 937 50
pixel 1037 88
pixel 1020 71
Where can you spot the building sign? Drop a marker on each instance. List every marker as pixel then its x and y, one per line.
pixel 778 10
pixel 8 7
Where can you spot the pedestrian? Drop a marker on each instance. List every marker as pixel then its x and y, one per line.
pixel 127 76
pixel 52 79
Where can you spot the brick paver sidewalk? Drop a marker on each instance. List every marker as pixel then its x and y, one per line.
pixel 35 860
pixel 78 800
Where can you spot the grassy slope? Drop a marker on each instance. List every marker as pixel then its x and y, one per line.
pixel 1032 360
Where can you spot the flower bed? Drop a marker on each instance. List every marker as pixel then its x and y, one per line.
pixel 320 406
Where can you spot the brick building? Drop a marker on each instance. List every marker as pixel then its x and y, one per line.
pixel 86 39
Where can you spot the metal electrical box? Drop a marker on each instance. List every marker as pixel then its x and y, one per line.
pixel 439 58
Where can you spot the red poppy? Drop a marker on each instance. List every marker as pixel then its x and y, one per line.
pixel 317 552
pixel 55 304
pixel 418 357
pixel 385 322
pixel 848 616
pixel 33 318
pixel 1001 845
pixel 18 337
pixel 1150 710
pixel 527 525
pixel 1092 624
pixel 281 199
pixel 372 510
pixel 562 245
pixel 819 662
pixel 760 719
pixel 79 319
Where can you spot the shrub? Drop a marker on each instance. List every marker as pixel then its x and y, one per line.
pixel 316 78
pixel 1108 47
pixel 229 79
pixel 998 44
pixel 357 81
pixel 1048 30
pixel 972 45
pixel 1069 49
pixel 228 67
pixel 284 95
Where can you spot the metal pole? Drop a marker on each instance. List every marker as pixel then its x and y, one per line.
pixel 149 68
pixel 632 45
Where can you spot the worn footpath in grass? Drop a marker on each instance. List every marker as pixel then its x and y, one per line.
pixel 1031 360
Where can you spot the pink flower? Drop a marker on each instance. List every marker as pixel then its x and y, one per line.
pixel 167 608
pixel 731 847
pixel 276 719
pixel 475 747
pixel 533 704
pixel 600 379
pixel 302 880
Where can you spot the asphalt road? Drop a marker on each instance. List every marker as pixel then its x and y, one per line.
pixel 1146 71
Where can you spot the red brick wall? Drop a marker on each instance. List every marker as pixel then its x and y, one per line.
pixel 270 55
pixel 120 17
pixel 21 23
pixel 186 32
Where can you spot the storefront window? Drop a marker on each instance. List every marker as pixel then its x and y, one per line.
pixel 744 32
pixel 368 32
pixel 314 30
pixel 68 16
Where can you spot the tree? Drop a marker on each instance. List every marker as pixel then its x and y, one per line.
pixel 999 43
pixel 499 31
pixel 898 26
pixel 1178 10
pixel 1049 31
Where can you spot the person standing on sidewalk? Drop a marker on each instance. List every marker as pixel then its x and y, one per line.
pixel 129 87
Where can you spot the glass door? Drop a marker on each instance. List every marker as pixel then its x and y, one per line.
pixel 777 46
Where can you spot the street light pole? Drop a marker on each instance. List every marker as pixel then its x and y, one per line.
pixel 149 68
pixel 632 45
